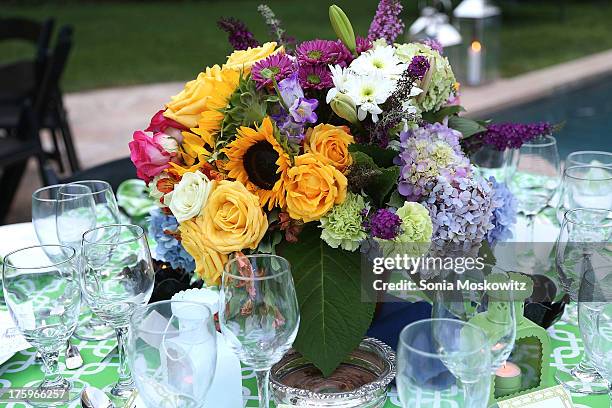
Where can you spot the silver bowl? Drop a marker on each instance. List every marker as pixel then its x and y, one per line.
pixel 361 380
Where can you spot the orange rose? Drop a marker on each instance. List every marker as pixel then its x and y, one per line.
pixel 313 188
pixel 329 144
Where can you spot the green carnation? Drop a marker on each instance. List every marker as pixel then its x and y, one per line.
pixel 438 82
pixel 416 223
pixel 342 225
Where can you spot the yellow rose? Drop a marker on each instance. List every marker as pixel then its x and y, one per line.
pixel 313 188
pixel 329 144
pixel 210 91
pixel 209 263
pixel 244 59
pixel 233 219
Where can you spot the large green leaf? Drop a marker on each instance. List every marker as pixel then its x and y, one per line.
pixel 327 281
pixel 382 157
pixel 383 184
pixel 467 127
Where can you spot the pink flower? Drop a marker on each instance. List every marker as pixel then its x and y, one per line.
pixel 159 123
pixel 148 156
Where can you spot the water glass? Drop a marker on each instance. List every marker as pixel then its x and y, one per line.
pixel 443 362
pixel 43 297
pixel 116 278
pixel 259 313
pixel 588 158
pixel 76 214
pixel 107 209
pixel 172 352
pixel 602 346
pixel 585 186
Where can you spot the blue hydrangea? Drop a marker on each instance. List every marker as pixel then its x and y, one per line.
pixel 461 210
pixel 169 249
pixel 504 216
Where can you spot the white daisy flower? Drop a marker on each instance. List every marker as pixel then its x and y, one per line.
pixel 340 76
pixel 368 92
pixel 379 60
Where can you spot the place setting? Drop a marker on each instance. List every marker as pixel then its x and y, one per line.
pixel 316 223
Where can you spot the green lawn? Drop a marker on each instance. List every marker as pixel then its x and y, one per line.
pixel 123 43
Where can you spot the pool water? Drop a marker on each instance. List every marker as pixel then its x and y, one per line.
pixel 585 108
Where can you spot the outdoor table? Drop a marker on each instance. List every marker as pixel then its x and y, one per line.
pixel 101 359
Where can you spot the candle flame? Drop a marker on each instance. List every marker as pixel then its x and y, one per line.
pixel 476 46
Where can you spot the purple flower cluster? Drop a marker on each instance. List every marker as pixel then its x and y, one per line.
pixel 278 67
pixel 362 45
pixel 418 67
pixel 239 35
pixel 434 45
pixel 426 153
pixel 502 136
pixel 461 210
pixel 315 56
pixel 387 23
pixel 301 110
pixel 504 216
pixel 168 248
pixel 383 224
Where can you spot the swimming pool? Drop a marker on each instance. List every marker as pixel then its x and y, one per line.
pixel 585 108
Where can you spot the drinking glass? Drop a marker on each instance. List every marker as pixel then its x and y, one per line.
pixel 258 313
pixel 443 362
pixel 75 214
pixel 107 210
pixel 473 306
pixel 172 352
pixel 589 157
pixel 602 347
pixel 533 177
pixel 116 278
pixel 585 186
pixel 583 246
pixel 43 297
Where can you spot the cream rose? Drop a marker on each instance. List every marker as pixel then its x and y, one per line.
pixel 189 196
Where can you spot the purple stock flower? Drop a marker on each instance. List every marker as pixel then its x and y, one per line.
pixel 315 77
pixel 239 35
pixel 303 110
pixel 418 67
pixel 384 224
pixel 278 66
pixel 434 45
pixel 504 216
pixel 502 136
pixel 387 24
pixel 318 52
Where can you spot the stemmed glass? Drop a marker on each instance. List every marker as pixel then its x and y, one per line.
pixel 172 352
pixel 443 361
pixel 533 177
pixel 41 289
pixel 588 158
pixel 258 313
pixel 602 347
pixel 582 246
pixel 116 278
pixel 585 186
pixel 76 214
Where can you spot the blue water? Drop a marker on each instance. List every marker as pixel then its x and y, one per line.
pixel 585 108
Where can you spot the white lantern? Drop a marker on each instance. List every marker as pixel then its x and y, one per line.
pixel 478 22
pixel 435 25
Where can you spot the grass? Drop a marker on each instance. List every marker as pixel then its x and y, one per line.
pixel 143 42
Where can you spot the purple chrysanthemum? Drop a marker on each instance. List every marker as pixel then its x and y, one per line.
pixel 387 24
pixel 504 216
pixel 318 52
pixel 239 35
pixel 315 77
pixel 383 224
pixel 278 66
pixel 363 44
pixel 418 67
pixel 434 45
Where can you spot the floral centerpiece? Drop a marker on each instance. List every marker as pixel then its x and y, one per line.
pixel 310 150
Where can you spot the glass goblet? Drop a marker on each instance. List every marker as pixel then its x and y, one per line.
pixel 442 359
pixel 43 297
pixel 258 313
pixel 75 214
pixel 589 158
pixel 172 352
pixel 116 278
pixel 585 187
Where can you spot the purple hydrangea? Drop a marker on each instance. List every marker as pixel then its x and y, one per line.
pixel 239 35
pixel 383 224
pixel 278 66
pixel 426 153
pixel 502 136
pixel 461 210
pixel 315 77
pixel 418 67
pixel 168 248
pixel 387 23
pixel 504 216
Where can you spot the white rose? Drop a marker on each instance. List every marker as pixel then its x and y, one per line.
pixel 189 196
pixel 167 142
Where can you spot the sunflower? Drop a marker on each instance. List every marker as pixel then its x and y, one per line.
pixel 258 161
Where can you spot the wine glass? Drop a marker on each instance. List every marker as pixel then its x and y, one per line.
pixel 172 352
pixel 585 186
pixel 582 247
pixel 75 214
pixel 478 306
pixel 443 360
pixel 602 346
pixel 534 177
pixel 258 313
pixel 116 278
pixel 43 297
pixel 107 209
pixel 589 157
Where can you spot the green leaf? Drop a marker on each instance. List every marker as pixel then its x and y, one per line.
pixel 383 184
pixel 468 127
pixel 396 200
pixel 382 157
pixel 433 117
pixel 333 319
